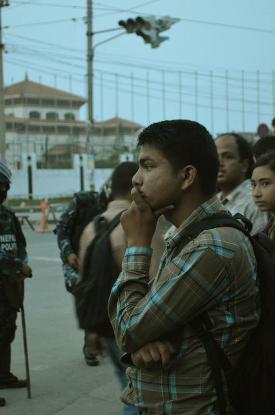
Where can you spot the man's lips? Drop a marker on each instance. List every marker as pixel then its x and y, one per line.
pixel 260 203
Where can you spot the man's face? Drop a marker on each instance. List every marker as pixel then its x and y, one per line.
pixel 157 182
pixel 232 170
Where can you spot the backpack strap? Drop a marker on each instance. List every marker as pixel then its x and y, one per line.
pixel 216 357
pixel 102 226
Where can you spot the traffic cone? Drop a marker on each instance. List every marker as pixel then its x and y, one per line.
pixel 43 221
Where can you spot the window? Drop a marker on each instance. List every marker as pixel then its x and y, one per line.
pixel 48 129
pixel 20 128
pixel 52 116
pixel 33 101
pixel 34 128
pixel 63 129
pixel 69 116
pixel 48 102
pixel 63 103
pixel 35 115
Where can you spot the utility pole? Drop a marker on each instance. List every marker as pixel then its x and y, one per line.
pixel 3 3
pixel 90 59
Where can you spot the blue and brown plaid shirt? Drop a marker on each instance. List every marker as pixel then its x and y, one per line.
pixel 216 272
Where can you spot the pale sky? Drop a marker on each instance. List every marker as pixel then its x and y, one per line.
pixel 220 55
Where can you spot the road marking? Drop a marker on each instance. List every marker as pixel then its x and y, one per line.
pixel 45 258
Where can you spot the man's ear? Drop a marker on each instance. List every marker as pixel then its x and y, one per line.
pixel 188 175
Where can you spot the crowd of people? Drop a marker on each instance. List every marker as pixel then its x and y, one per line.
pixel 164 280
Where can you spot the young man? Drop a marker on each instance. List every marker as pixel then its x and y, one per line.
pixel 14 269
pixel 121 185
pixel 236 159
pixel 215 272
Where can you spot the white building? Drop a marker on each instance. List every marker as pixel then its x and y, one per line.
pixel 46 121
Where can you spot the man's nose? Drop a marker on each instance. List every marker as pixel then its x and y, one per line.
pixel 136 180
pixel 256 191
pixel 220 161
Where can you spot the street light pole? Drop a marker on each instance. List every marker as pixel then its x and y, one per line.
pixel 3 3
pixel 90 59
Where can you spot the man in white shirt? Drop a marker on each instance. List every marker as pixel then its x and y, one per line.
pixel 235 156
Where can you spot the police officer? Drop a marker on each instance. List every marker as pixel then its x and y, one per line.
pixel 13 270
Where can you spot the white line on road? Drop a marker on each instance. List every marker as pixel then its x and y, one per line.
pixel 45 258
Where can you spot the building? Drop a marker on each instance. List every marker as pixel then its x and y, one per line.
pixel 46 121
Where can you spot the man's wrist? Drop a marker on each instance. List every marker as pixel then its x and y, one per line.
pixel 138 243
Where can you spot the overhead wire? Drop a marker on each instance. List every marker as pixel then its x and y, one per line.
pixel 65 59
pixel 153 97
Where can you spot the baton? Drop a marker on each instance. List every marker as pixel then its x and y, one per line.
pixel 23 319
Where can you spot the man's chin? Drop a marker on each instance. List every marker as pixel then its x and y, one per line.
pixel 221 181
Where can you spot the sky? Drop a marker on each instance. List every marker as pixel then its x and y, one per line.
pixel 217 67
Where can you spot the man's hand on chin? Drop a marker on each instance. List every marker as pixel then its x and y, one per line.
pixel 139 221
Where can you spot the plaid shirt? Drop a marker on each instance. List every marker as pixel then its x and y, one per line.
pixel 240 200
pixel 216 272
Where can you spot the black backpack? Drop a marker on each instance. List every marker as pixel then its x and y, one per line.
pixel 100 271
pixel 87 207
pixel 251 383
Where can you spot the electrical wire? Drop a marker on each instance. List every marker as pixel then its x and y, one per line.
pixel 43 23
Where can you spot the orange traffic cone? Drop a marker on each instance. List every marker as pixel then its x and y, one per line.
pixel 43 222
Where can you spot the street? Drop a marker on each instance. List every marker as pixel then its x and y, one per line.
pixel 62 383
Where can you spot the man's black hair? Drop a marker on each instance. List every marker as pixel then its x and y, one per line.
pixel 244 150
pixel 266 159
pixel 184 142
pixel 121 180
pixel 263 145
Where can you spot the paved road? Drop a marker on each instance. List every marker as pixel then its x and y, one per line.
pixel 61 381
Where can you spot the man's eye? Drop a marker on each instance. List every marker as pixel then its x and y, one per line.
pixel 265 184
pixel 148 166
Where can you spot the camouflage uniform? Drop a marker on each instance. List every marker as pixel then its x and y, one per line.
pixel 12 256
pixel 63 231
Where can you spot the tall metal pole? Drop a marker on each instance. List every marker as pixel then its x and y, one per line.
pixel 243 102
pixel 132 96
pixel 258 97
pixel 212 102
pixel 196 96
pixel 90 61
pixel 180 94
pixel 227 100
pixel 148 96
pixel 163 96
pixel 2 105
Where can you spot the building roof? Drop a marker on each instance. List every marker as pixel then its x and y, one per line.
pixel 35 89
pixel 118 122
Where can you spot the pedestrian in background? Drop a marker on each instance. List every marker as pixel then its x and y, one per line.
pixel 81 210
pixel 14 270
pixel 263 190
pixel 263 145
pixel 121 185
pixel 235 193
